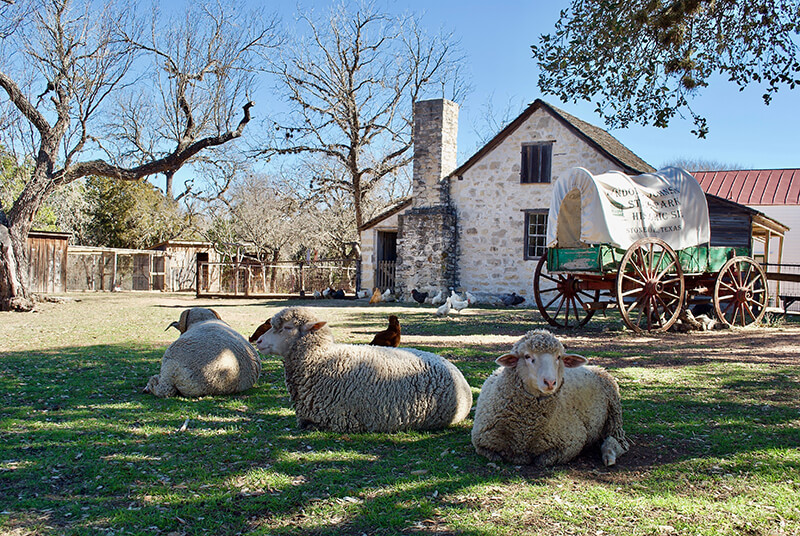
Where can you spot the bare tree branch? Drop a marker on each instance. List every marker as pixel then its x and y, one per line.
pixel 351 82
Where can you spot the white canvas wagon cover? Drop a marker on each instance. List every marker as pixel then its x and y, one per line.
pixel 615 209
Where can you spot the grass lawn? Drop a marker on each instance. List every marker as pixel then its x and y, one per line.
pixel 714 417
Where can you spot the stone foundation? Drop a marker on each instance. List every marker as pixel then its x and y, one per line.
pixel 427 250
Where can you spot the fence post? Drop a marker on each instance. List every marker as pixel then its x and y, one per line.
pixel 197 276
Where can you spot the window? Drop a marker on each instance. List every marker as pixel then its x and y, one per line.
pixel 536 160
pixel 535 234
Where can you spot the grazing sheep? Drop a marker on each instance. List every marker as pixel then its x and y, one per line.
pixel 542 407
pixel 209 358
pixel 361 388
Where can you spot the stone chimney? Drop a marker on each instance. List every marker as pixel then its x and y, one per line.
pixel 427 239
pixel 435 133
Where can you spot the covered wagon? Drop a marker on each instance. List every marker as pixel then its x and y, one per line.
pixel 641 244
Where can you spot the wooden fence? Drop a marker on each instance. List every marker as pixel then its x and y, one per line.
pixel 252 279
pixel 385 275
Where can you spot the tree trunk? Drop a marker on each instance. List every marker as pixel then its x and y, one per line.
pixel 14 293
pixel 168 185
pixel 273 275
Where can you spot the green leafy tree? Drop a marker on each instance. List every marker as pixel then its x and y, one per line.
pixel 131 214
pixel 642 61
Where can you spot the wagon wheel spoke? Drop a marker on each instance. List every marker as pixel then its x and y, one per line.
pixel 666 270
pixel 650 271
pixel 740 292
pixel 551 278
pixel 727 286
pixel 632 291
pixel 562 309
pixel 557 296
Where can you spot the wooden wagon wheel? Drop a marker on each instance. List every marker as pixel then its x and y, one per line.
pixel 562 304
pixel 740 293
pixel 650 286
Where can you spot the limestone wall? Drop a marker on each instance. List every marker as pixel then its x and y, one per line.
pixel 490 204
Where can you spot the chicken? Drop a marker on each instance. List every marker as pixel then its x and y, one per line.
pixel 458 304
pixel 376 296
pixel 512 299
pixel 438 299
pixel 418 296
pixel 260 330
pixel 317 295
pixel 363 294
pixel 470 298
pixel 388 296
pixel 390 336
pixel 444 310
pixel 338 294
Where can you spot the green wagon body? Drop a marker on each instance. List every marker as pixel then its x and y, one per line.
pixel 650 283
pixel 605 259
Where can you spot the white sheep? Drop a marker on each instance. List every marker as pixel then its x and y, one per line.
pixel 543 407
pixel 362 388
pixel 209 358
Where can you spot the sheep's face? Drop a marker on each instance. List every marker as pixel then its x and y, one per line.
pixel 540 367
pixel 284 333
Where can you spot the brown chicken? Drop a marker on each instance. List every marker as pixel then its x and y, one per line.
pixel 260 330
pixel 377 297
pixel 389 336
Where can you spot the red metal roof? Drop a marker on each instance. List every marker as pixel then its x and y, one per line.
pixel 753 186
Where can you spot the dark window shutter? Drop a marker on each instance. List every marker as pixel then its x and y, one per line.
pixel 546 162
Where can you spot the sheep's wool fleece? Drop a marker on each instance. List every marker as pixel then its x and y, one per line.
pixel 209 358
pixel 513 425
pixel 360 388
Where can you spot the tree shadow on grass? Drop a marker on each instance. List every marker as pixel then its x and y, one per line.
pixel 84 450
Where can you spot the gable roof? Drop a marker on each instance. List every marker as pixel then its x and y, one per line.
pixel 598 138
pixel 753 186
pixel 391 211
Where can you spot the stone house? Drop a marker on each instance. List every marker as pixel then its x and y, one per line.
pixel 481 226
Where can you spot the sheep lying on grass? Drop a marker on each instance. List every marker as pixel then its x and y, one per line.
pixel 361 388
pixel 209 358
pixel 543 407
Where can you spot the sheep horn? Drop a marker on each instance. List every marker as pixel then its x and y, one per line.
pixel 174 325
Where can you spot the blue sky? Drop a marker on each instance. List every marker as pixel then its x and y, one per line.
pixel 496 37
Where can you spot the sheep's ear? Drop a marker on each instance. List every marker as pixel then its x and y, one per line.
pixel 507 360
pixel 574 360
pixel 308 328
pixel 182 322
pixel 215 314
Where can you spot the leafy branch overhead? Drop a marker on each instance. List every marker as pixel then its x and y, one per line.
pixel 642 61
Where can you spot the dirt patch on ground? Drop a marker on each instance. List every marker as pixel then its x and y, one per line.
pixel 780 346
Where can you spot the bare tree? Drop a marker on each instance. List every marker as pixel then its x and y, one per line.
pixel 260 214
pixel 351 83
pixel 67 69
pixel 702 164
pixel 198 71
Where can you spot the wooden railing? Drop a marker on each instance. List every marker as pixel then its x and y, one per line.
pixel 385 275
